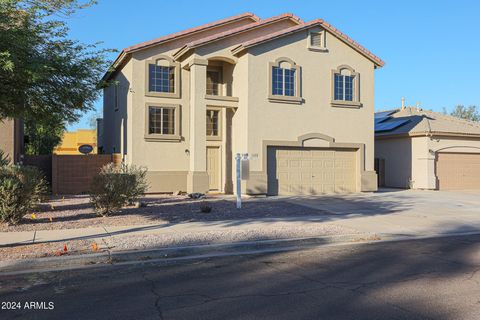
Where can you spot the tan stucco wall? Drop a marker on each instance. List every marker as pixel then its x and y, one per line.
pixel 413 158
pixel 282 121
pixel 398 161
pixel 116 123
pixel 256 119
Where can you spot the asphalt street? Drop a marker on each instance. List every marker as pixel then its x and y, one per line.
pixel 417 279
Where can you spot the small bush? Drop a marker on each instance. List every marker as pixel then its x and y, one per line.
pixel 115 187
pixel 21 190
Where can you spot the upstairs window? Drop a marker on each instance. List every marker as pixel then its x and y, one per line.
pixel 345 87
pixel 162 77
pixel 284 80
pixel 214 82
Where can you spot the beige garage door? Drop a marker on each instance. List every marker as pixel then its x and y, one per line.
pixel 294 171
pixel 456 171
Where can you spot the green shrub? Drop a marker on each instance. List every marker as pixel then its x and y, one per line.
pixel 21 190
pixel 115 187
pixel 4 159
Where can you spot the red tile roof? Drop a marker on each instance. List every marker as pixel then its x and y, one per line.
pixel 379 62
pixel 244 28
pixel 176 35
pixel 240 29
pixel 191 30
pixel 256 22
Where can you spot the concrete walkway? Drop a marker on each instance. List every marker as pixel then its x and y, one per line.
pixel 392 213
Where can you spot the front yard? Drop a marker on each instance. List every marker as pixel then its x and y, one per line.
pixel 165 221
pixel 76 212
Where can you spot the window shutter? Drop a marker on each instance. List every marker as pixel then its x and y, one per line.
pixel 316 39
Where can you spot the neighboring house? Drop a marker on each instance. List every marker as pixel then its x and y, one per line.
pixel 12 138
pixel 297 96
pixel 422 149
pixel 100 135
pixel 71 141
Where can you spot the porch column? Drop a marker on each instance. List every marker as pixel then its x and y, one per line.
pixel 197 179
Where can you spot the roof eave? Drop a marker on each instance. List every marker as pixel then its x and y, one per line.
pixel 426 134
pixel 127 50
pixel 178 54
pixel 378 63
pixel 116 63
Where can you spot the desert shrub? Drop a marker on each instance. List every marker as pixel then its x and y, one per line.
pixel 21 190
pixel 114 187
pixel 4 159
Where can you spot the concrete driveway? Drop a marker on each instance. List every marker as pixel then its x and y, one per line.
pixel 401 212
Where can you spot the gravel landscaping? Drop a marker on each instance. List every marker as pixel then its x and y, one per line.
pixel 150 241
pixel 226 236
pixel 76 212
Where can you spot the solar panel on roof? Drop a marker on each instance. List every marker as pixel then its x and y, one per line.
pixel 378 120
pixel 390 125
pixel 383 114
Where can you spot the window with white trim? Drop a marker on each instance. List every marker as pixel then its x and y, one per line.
pixel 283 81
pixel 161 120
pixel 345 87
pixel 161 79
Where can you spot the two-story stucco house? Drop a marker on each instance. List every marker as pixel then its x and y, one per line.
pixel 297 96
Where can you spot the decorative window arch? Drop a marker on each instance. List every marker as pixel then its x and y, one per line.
pixel 162 77
pixel 284 81
pixel 345 87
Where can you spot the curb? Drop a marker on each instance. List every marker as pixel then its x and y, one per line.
pixel 105 258
pixel 172 254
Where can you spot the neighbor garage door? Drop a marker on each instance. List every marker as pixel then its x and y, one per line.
pixel 457 171
pixel 294 171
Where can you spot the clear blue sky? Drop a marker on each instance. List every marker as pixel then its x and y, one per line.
pixel 431 48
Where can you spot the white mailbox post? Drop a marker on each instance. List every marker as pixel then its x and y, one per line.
pixel 242 173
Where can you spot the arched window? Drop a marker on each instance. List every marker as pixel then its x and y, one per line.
pixel 284 80
pixel 162 77
pixel 345 87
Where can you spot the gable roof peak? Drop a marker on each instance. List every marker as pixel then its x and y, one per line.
pixel 306 25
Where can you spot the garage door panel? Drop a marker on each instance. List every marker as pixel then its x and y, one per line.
pixel 457 171
pixel 311 171
pixel 283 163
